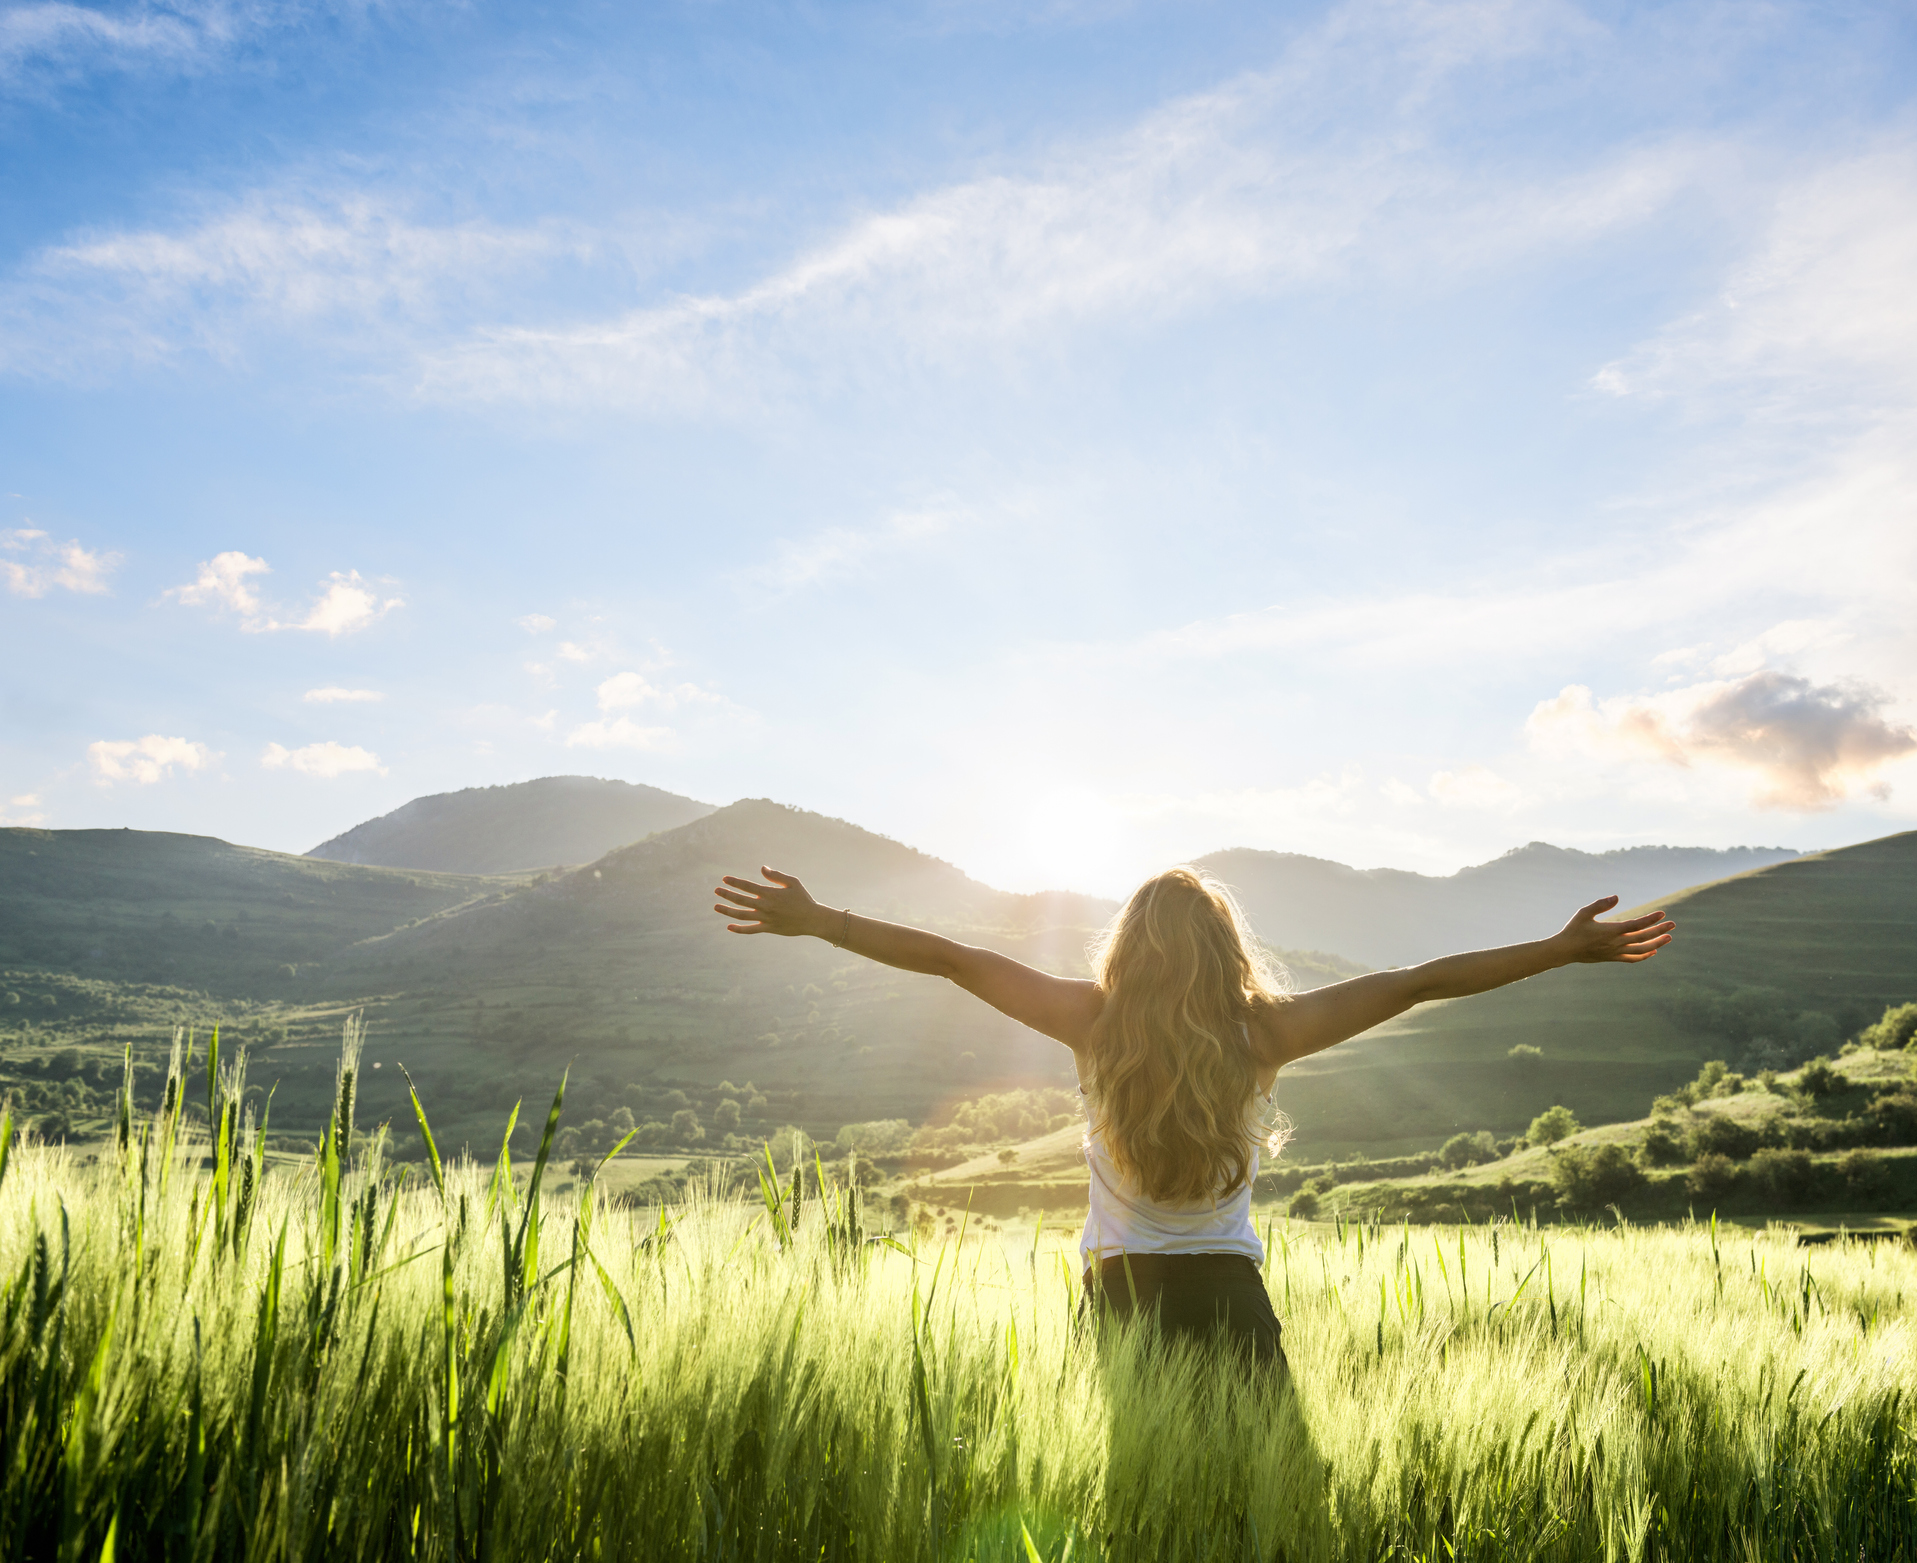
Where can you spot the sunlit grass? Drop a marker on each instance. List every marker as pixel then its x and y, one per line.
pixel 375 1362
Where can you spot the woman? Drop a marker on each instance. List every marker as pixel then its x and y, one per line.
pixel 1178 1036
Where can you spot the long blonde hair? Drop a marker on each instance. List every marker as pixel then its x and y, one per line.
pixel 1173 1066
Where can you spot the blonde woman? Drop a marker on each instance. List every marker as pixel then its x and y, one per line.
pixel 1178 1036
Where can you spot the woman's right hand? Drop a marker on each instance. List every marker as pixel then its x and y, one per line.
pixel 784 906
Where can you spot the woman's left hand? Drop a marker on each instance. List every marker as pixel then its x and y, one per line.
pixel 1586 939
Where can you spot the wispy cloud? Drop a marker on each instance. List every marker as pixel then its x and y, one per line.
pixel 1807 746
pixel 536 623
pixel 324 760
pixel 350 272
pixel 1326 169
pixel 334 695
pixel 839 552
pixel 346 601
pixel 146 760
pixel 40 564
pixel 621 733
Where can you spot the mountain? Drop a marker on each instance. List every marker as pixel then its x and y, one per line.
pixel 504 830
pixel 196 913
pixel 1388 917
pixel 488 988
pixel 1768 968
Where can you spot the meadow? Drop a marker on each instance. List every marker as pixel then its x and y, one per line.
pixel 208 1355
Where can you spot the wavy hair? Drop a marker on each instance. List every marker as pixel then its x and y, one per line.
pixel 1172 1070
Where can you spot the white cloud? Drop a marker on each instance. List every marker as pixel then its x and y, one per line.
pixel 334 695
pixel 347 604
pixel 620 733
pixel 49 564
pixel 23 810
pixel 1807 746
pixel 223 581
pixel 1475 787
pixel 346 601
pixel 536 623
pixel 324 760
pixel 147 760
pixel 572 651
pixel 625 691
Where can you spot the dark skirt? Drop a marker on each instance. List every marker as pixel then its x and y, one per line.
pixel 1215 1299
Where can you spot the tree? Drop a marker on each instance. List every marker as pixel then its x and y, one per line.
pixel 1589 1177
pixel 621 1120
pixel 1552 1125
pixel 685 1125
pixel 1304 1204
pixel 725 1117
pixel 1896 1028
pixel 1468 1150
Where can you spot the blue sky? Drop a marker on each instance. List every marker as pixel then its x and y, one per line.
pixel 1068 438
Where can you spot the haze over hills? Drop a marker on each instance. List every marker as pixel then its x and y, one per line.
pixel 556 820
pixel 487 987
pixel 1389 917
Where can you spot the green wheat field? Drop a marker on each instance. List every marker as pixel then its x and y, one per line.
pixel 209 1355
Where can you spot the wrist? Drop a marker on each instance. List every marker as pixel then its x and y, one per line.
pixel 823 923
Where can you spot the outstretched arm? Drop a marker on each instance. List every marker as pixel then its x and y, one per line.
pixel 1317 1020
pixel 1060 1007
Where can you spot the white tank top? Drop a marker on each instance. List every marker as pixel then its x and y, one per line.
pixel 1123 1219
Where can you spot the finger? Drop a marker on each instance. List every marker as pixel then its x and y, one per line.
pixel 738 899
pixel 776 876
pixel 1602 904
pixel 732 911
pixel 747 884
pixel 742 928
pixel 1631 925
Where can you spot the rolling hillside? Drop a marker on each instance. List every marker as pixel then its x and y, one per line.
pixel 193 912
pixel 487 988
pixel 502 830
pixel 1387 917
pixel 1768 968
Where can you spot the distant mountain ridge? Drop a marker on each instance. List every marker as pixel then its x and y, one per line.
pixel 1390 917
pixel 552 822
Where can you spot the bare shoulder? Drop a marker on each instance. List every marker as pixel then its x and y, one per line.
pixel 1272 1036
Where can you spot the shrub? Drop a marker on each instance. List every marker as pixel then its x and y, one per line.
pixel 1818 1078
pixel 725 1117
pixel 1712 1176
pixel 1304 1204
pixel 1662 1146
pixel 1526 1056
pixel 1468 1150
pixel 1715 1134
pixel 1788 1174
pixel 1896 1028
pixel 685 1125
pixel 621 1120
pixel 1864 1173
pixel 1588 1177
pixel 1552 1125
pixel 1893 1117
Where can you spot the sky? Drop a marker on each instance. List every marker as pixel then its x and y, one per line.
pixel 1068 436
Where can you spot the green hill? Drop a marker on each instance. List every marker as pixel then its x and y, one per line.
pixel 488 987
pixel 193 912
pixel 1387 917
pixel 1768 968
pixel 503 830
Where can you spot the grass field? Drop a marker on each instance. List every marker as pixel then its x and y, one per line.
pixel 348 1362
